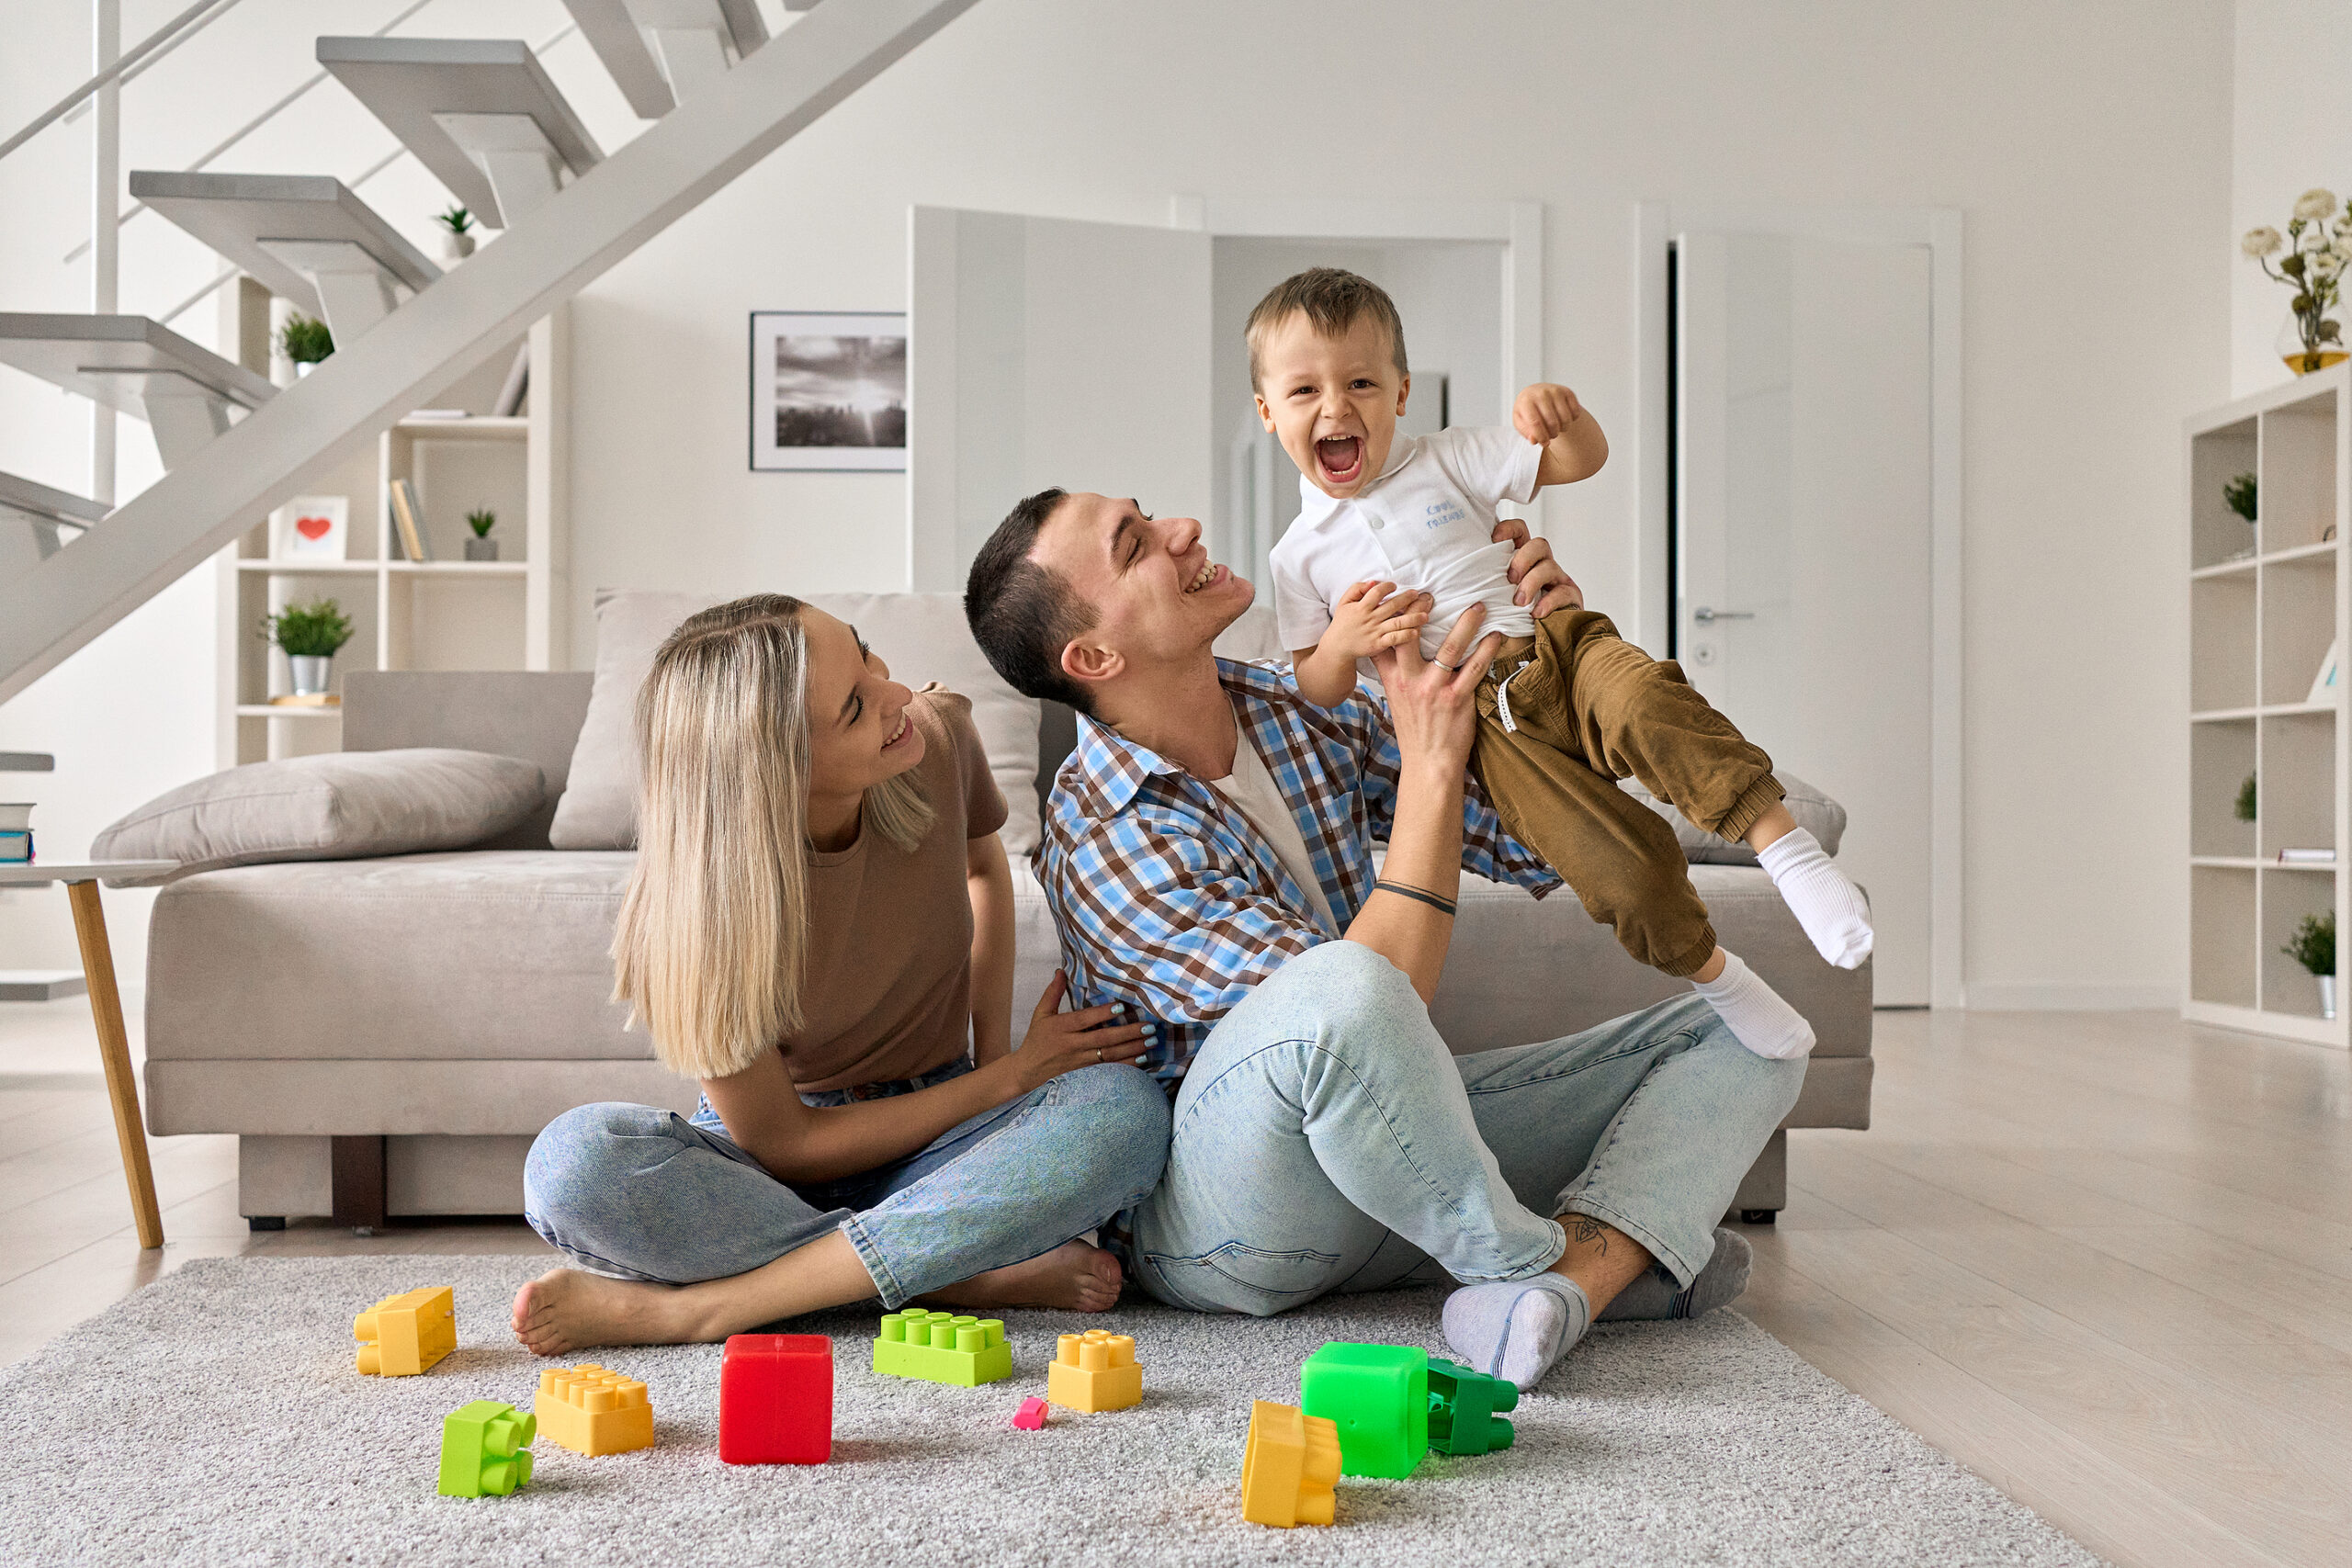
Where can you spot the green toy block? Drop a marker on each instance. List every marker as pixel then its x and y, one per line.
pixel 939 1346
pixel 1462 1409
pixel 1378 1396
pixel 485 1449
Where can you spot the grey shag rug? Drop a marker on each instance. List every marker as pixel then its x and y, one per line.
pixel 215 1418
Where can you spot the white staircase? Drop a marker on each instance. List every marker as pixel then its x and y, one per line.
pixel 486 121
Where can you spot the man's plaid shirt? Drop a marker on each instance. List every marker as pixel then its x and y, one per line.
pixel 1169 900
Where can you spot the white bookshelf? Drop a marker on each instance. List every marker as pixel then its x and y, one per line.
pixel 442 613
pixel 2264 602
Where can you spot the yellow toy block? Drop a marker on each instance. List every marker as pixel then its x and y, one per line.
pixel 1289 1466
pixel 1094 1371
pixel 591 1411
pixel 404 1335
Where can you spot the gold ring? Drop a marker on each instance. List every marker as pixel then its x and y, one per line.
pixel 1098 1053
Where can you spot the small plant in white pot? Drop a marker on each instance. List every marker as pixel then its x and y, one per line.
pixel 304 340
pixel 2314 947
pixel 456 239
pixel 481 546
pixel 309 634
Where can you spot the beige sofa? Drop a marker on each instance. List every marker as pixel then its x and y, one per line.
pixel 386 1036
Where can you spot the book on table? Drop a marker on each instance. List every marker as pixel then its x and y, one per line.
pixel 16 846
pixel 409 517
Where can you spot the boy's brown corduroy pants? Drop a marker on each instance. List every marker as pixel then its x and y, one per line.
pixel 1562 716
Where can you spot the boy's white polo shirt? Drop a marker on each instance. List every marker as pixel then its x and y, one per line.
pixel 1426 522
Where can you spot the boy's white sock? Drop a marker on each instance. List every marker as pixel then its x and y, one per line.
pixel 1824 900
pixel 1754 1011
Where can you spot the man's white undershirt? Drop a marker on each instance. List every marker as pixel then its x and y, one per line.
pixel 1252 792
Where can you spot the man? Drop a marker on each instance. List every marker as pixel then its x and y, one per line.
pixel 1209 860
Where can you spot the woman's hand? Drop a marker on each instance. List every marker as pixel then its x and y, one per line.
pixel 1540 581
pixel 1432 704
pixel 1061 1041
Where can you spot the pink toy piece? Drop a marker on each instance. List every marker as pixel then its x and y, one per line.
pixel 1031 1416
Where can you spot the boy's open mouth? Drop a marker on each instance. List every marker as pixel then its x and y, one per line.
pixel 1341 457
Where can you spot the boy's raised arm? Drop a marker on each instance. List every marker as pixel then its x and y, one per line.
pixel 1550 416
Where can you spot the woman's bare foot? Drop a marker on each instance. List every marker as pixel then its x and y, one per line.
pixel 565 1310
pixel 1073 1277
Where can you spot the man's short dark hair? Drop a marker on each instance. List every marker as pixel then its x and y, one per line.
pixel 1023 615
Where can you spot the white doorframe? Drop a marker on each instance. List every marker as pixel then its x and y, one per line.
pixel 1938 229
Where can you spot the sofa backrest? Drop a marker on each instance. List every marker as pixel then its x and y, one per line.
pixel 533 715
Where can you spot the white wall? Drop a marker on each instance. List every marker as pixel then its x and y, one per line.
pixel 2090 132
pixel 2284 141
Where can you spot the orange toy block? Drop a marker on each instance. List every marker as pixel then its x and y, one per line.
pixel 591 1411
pixel 1289 1467
pixel 404 1335
pixel 1094 1371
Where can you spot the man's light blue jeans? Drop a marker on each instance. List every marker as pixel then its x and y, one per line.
pixel 1327 1140
pixel 638 1193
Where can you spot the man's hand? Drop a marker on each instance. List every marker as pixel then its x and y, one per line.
pixel 1541 580
pixel 1546 409
pixel 1431 704
pixel 1373 616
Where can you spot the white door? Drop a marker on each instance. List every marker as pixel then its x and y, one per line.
pixel 1802 588
pixel 1047 352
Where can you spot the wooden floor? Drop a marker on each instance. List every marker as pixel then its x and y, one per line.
pixel 2103 1260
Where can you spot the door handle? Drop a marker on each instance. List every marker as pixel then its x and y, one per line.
pixel 1704 614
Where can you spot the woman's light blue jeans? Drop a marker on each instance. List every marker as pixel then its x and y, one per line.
pixel 1327 1140
pixel 642 1193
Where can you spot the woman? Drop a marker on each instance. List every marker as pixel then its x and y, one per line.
pixel 819 917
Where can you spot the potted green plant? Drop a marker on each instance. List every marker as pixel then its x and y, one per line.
pixel 456 237
pixel 305 340
pixel 2314 947
pixel 309 634
pixel 2238 495
pixel 2246 806
pixel 481 546
pixel 2312 256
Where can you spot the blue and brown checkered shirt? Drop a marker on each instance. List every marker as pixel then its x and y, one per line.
pixel 1169 900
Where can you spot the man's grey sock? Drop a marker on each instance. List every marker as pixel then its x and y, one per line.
pixel 1655 1295
pixel 1517 1329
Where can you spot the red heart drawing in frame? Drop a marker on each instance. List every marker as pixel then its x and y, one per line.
pixel 314 527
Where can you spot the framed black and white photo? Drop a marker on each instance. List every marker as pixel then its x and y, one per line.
pixel 829 390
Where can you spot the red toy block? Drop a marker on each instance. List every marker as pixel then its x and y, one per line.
pixel 1031 1416
pixel 775 1399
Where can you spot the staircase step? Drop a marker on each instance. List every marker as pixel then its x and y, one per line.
pixel 36 522
pixel 306 237
pixel 477 112
pixel 138 366
pixel 624 34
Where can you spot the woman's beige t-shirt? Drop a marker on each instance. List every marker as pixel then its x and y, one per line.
pixel 889 993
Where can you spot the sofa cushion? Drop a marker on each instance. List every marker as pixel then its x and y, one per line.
pixel 1813 811
pixel 334 806
pixel 922 638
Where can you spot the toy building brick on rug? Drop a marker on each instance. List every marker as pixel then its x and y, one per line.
pixel 1463 1405
pixel 1094 1371
pixel 404 1335
pixel 1288 1467
pixel 485 1449
pixel 1379 1397
pixel 940 1347
pixel 1031 1416
pixel 591 1411
pixel 775 1399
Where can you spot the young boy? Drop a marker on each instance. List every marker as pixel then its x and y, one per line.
pixel 1394 540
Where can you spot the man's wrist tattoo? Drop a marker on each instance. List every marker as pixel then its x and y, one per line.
pixel 1421 895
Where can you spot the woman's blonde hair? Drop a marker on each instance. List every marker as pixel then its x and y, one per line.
pixel 712 947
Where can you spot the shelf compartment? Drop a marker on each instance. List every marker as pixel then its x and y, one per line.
pixel 2220 672
pixel 2298 625
pixel 2215 532
pixel 2297 789
pixel 2221 759
pixel 2221 922
pixel 2297 501
pixel 2287 898
pixel 266 567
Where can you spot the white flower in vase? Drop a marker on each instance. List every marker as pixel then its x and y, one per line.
pixel 2315 204
pixel 2262 242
